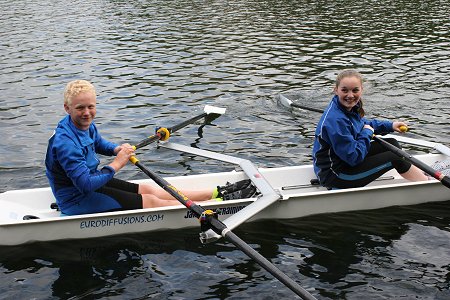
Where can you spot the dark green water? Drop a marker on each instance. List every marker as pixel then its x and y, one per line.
pixel 156 63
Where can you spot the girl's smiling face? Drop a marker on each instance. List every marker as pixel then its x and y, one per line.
pixel 349 91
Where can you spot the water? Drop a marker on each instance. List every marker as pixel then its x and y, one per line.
pixel 156 63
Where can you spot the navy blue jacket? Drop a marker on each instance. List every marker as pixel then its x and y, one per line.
pixel 71 162
pixel 341 138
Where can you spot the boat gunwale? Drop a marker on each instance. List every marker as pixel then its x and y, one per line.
pixel 320 191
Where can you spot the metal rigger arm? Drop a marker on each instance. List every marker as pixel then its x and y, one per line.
pixel 269 195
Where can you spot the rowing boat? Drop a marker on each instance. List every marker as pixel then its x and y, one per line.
pixel 286 192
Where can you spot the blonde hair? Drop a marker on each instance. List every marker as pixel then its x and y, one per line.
pixel 351 73
pixel 76 87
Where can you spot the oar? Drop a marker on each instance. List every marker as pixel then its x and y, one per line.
pixel 209 112
pixel 221 229
pixel 445 180
pixel 288 103
pixel 199 211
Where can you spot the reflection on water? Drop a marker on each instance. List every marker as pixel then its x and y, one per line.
pixel 156 63
pixel 378 254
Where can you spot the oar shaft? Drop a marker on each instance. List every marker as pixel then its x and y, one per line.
pixel 220 228
pixel 267 265
pixel 187 122
pixel 424 167
pixel 196 209
pixel 148 141
pixel 307 108
pixel 160 134
pixel 288 103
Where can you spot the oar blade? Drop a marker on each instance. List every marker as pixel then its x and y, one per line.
pixel 284 100
pixel 212 113
pixel 209 109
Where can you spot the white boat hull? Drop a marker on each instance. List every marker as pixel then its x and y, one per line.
pixel 298 198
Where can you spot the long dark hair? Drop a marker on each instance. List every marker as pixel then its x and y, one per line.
pixel 352 73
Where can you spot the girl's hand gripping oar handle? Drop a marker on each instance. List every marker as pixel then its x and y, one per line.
pixel 445 180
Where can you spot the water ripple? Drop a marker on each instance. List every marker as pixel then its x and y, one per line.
pixel 155 63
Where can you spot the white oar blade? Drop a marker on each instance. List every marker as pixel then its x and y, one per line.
pixel 209 109
pixel 285 101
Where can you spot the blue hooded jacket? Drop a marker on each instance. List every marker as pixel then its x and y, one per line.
pixel 71 162
pixel 341 138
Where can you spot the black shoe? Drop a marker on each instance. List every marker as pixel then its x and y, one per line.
pixel 244 193
pixel 233 187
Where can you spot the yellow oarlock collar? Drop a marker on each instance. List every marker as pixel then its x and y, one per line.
pixel 164 133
